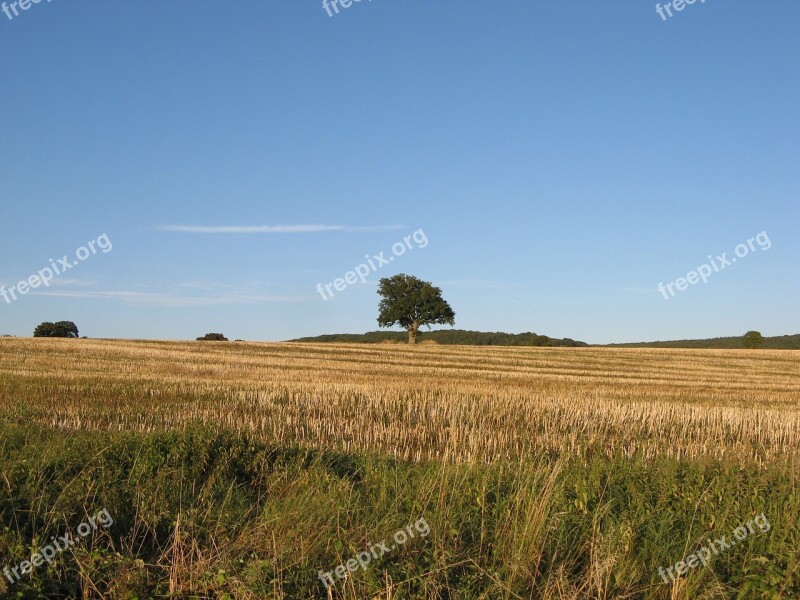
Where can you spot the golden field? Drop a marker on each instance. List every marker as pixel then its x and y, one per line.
pixel 457 403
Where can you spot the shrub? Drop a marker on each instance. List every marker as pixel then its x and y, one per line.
pixel 213 337
pixel 62 329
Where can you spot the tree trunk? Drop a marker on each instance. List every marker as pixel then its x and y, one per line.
pixel 412 333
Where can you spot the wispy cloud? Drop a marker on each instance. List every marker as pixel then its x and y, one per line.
pixel 270 228
pixel 58 281
pixel 162 300
pixel 65 281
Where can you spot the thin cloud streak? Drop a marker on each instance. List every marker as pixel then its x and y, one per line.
pixel 237 229
pixel 159 300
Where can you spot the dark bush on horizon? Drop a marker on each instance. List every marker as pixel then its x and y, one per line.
pixel 212 337
pixel 62 329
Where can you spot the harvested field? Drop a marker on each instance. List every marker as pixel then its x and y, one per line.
pixel 462 404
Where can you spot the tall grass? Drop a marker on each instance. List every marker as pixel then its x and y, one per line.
pixel 215 515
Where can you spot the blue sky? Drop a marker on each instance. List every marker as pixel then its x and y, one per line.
pixel 561 158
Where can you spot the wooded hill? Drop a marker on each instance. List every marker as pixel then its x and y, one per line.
pixel 780 342
pixel 447 336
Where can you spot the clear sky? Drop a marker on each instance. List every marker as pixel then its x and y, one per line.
pixel 561 159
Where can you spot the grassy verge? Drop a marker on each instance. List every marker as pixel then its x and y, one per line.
pixel 212 514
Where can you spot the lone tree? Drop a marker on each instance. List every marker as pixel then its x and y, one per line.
pixel 410 303
pixel 753 340
pixel 62 329
pixel 212 337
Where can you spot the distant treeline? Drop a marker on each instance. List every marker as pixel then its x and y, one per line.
pixel 447 336
pixel 483 338
pixel 781 342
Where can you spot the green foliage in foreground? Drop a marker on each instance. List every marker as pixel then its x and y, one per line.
pixel 222 516
pixel 447 336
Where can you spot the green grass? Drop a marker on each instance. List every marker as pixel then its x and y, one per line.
pixel 215 514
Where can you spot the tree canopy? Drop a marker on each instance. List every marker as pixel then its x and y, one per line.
pixel 411 303
pixel 753 340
